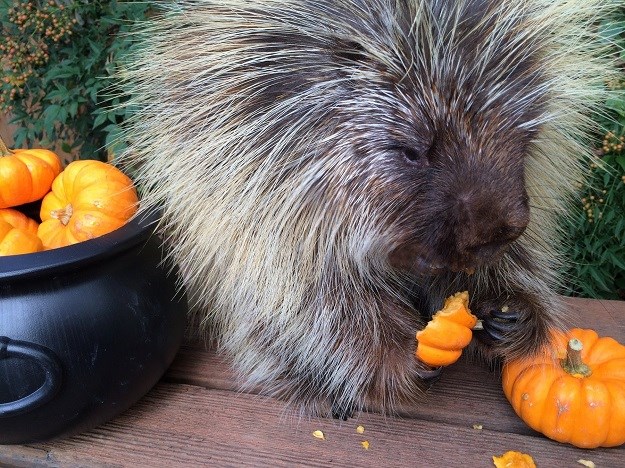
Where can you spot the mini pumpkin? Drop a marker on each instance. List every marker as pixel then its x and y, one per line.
pixel 26 174
pixel 19 220
pixel 442 340
pixel 574 391
pixel 88 199
pixel 16 241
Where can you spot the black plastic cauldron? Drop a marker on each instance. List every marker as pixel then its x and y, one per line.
pixel 85 331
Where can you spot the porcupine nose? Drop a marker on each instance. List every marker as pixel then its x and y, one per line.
pixel 487 225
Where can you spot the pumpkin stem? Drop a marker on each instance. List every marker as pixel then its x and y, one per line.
pixel 573 363
pixel 63 214
pixel 4 150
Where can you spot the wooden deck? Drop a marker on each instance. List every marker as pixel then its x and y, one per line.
pixel 194 417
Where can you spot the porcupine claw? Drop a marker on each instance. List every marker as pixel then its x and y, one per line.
pixel 430 376
pixel 341 412
pixel 498 323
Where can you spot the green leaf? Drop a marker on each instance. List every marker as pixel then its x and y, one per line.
pixel 619 262
pixel 73 109
pixel 599 280
pixel 19 137
pixel 616 104
pixel 100 118
pixel 50 115
pixel 620 160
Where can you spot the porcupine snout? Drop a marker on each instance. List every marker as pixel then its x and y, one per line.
pixel 469 208
pixel 486 225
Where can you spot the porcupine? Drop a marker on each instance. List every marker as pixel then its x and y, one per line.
pixel 329 170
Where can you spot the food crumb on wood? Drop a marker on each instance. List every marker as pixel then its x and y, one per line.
pixel 514 459
pixel 477 426
pixel 360 429
pixel 586 463
pixel 365 444
pixel 319 435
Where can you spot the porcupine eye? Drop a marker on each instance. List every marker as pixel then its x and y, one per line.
pixel 415 157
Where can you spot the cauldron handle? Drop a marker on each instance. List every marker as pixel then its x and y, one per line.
pixel 46 359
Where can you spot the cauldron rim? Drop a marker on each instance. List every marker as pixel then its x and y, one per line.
pixel 76 256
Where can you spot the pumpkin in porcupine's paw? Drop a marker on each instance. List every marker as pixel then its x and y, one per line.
pixel 574 392
pixel 26 174
pixel 88 199
pixel 442 340
pixel 16 241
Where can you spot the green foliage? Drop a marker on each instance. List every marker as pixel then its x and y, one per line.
pixel 58 61
pixel 596 226
pixel 597 231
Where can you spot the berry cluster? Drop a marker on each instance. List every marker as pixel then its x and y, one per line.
pixel 591 202
pixel 32 29
pixel 612 143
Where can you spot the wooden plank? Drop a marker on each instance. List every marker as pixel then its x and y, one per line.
pixel 449 399
pixel 606 317
pixel 178 425
pixel 196 364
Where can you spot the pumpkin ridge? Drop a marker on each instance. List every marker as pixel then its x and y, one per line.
pixel 36 167
pixel 610 370
pixel 560 429
pixel 458 336
pixel 19 220
pixel 103 223
pixel 16 241
pixel 596 423
pixel 617 395
pixel 532 412
pixel 22 167
pixel 69 180
pixel 605 351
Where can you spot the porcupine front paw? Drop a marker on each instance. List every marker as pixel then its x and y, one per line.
pixel 513 325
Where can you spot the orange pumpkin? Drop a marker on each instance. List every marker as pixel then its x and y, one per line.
pixel 26 174
pixel 88 199
pixel 442 340
pixel 574 391
pixel 15 241
pixel 19 220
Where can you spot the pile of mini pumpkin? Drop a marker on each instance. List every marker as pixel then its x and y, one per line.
pixel 86 199
pixel 572 392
